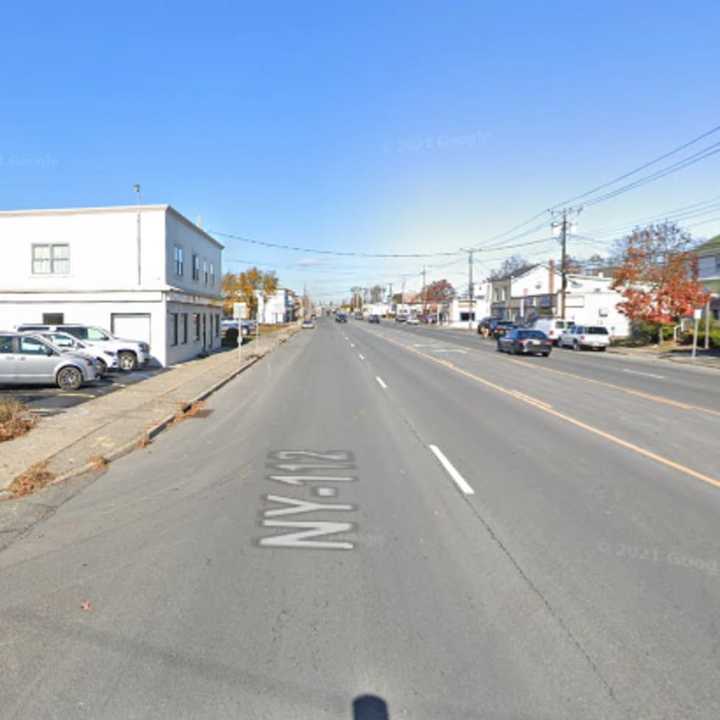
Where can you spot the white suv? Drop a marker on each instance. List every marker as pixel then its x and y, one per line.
pixel 131 354
pixel 552 327
pixel 579 337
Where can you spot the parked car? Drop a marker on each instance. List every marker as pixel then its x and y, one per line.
pixel 32 360
pixel 308 324
pixel 374 319
pixel 401 318
pixel 521 341
pixel 340 317
pixel 413 320
pixel 104 359
pixel 579 337
pixel 552 327
pixel 496 328
pixel 131 354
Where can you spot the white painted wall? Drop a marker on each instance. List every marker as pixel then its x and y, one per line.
pixel 102 279
pixel 103 248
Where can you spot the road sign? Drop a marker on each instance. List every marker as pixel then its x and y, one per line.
pixel 240 311
pixel 697 314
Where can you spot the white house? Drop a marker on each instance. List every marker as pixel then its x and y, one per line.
pixel 143 272
pixel 276 309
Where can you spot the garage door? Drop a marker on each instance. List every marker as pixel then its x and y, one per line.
pixel 131 326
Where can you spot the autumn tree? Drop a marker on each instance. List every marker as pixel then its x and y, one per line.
pixel 242 287
pixel 376 293
pixel 658 275
pixel 439 292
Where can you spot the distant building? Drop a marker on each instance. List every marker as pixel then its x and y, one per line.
pixel 87 265
pixel 278 308
pixel 589 299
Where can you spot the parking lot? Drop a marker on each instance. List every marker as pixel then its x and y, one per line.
pixel 48 400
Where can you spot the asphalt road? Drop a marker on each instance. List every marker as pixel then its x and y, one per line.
pixel 374 512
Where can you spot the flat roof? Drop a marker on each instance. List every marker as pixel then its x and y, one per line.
pixel 163 207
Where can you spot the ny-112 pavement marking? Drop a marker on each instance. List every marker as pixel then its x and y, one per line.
pixel 543 407
pixel 284 466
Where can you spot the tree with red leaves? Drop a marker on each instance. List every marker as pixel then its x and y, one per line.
pixel 658 275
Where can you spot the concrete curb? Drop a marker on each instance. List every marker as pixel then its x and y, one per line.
pixel 157 428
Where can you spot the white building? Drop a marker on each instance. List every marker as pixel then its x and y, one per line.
pixel 278 308
pixel 464 314
pixel 143 273
pixel 590 300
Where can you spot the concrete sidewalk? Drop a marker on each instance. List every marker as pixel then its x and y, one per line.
pixel 705 358
pixel 101 430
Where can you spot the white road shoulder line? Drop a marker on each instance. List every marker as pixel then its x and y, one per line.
pixel 381 383
pixel 637 372
pixel 451 471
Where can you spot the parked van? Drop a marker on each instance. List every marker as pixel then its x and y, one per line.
pixel 552 327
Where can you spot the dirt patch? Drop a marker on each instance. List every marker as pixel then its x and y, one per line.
pixel 98 462
pixel 197 409
pixel 15 419
pixel 35 477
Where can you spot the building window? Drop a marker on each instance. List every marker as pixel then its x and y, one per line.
pixel 217 326
pixel 212 275
pixel 51 259
pixel 184 328
pixel 174 331
pixel 53 318
pixel 195 267
pixel 196 326
pixel 179 261
pixel 206 273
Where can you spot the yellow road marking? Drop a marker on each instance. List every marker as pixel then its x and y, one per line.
pixel 622 388
pixel 567 418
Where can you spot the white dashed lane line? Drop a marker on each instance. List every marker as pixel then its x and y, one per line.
pixel 381 383
pixel 451 471
pixel 361 356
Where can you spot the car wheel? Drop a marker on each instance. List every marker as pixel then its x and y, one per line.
pixel 69 378
pixel 602 349
pixel 576 346
pixel 499 347
pixel 547 354
pixel 127 361
pixel 102 367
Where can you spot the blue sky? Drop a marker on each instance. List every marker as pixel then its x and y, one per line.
pixel 404 126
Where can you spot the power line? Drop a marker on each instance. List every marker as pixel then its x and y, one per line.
pixel 318 251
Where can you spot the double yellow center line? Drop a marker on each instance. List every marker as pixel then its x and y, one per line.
pixel 544 407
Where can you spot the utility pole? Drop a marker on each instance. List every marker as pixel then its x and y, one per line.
pixel 564 226
pixel 424 293
pixel 136 188
pixel 471 288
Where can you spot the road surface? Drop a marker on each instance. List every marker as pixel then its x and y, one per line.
pixel 380 522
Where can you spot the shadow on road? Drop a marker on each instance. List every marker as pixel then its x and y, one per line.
pixel 370 707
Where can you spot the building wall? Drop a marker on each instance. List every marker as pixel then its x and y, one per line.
pixel 102 282
pixel 102 244
pixel 192 241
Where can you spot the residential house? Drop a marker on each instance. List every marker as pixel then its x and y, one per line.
pixel 142 272
pixel 589 299
pixel 709 271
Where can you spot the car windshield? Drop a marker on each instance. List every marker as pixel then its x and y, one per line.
pixel 458 506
